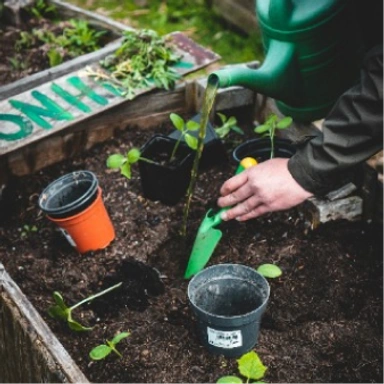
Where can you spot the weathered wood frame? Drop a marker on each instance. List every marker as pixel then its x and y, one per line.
pixel 29 351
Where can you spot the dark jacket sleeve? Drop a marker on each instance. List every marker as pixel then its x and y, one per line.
pixel 351 133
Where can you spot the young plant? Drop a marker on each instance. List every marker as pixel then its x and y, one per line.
pixel 124 163
pixel 28 230
pixel 227 125
pixel 184 128
pixel 61 311
pixel 269 128
pixel 250 367
pixel 103 350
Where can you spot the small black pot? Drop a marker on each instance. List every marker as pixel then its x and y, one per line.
pixel 166 183
pixel 228 301
pixel 69 194
pixel 260 149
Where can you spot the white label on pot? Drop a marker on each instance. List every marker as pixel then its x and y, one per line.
pixel 225 339
pixel 68 237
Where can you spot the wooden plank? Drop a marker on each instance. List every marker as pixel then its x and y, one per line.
pixel 240 13
pixel 29 351
pixel 143 112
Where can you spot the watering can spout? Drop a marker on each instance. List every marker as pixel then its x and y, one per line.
pixel 276 77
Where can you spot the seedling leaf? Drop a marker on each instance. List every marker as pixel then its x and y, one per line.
pixel 177 121
pixel 125 170
pixel 191 141
pixel 116 161
pixel 237 130
pixel 262 128
pixel 284 123
pixel 133 155
pixel 119 337
pixel 251 366
pixel 229 380
pixel 193 125
pixel 76 326
pixel 100 352
pixel 269 270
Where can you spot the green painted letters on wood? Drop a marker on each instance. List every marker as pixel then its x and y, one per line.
pixel 52 110
pixel 25 127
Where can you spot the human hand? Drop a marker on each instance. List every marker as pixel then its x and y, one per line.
pixel 267 187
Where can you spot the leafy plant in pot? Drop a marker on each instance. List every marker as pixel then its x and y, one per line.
pixel 164 162
pixel 268 146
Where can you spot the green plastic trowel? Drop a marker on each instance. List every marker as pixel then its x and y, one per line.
pixel 207 235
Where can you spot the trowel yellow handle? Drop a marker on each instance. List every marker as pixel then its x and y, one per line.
pixel 245 163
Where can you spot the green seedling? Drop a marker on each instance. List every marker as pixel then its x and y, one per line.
pixel 270 126
pixel 184 128
pixel 61 311
pixel 103 350
pixel 125 162
pixel 227 125
pixel 250 367
pixel 270 271
pixel 27 230
pixel 143 59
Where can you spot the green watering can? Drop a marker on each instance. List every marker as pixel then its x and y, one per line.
pixel 313 53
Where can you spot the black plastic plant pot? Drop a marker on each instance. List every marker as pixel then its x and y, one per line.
pixel 214 151
pixel 163 181
pixel 260 149
pixel 228 301
pixel 69 194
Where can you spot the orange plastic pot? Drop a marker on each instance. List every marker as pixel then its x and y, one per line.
pixel 90 229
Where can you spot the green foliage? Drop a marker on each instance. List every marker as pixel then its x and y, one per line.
pixel 27 230
pixel 269 128
pixel 184 128
pixel 60 311
pixel 250 367
pixel 143 59
pixel 42 9
pixel 77 38
pixel 103 350
pixel 270 271
pixel 227 125
pixel 124 163
pixel 16 63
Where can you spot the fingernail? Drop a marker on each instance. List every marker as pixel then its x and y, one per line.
pixel 224 216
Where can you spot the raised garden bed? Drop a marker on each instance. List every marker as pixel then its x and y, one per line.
pixel 26 65
pixel 323 322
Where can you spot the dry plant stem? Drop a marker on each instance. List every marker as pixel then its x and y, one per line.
pixel 208 100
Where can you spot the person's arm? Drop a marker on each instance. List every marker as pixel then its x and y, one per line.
pixel 351 134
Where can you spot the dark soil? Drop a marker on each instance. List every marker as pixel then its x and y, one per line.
pixel 323 323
